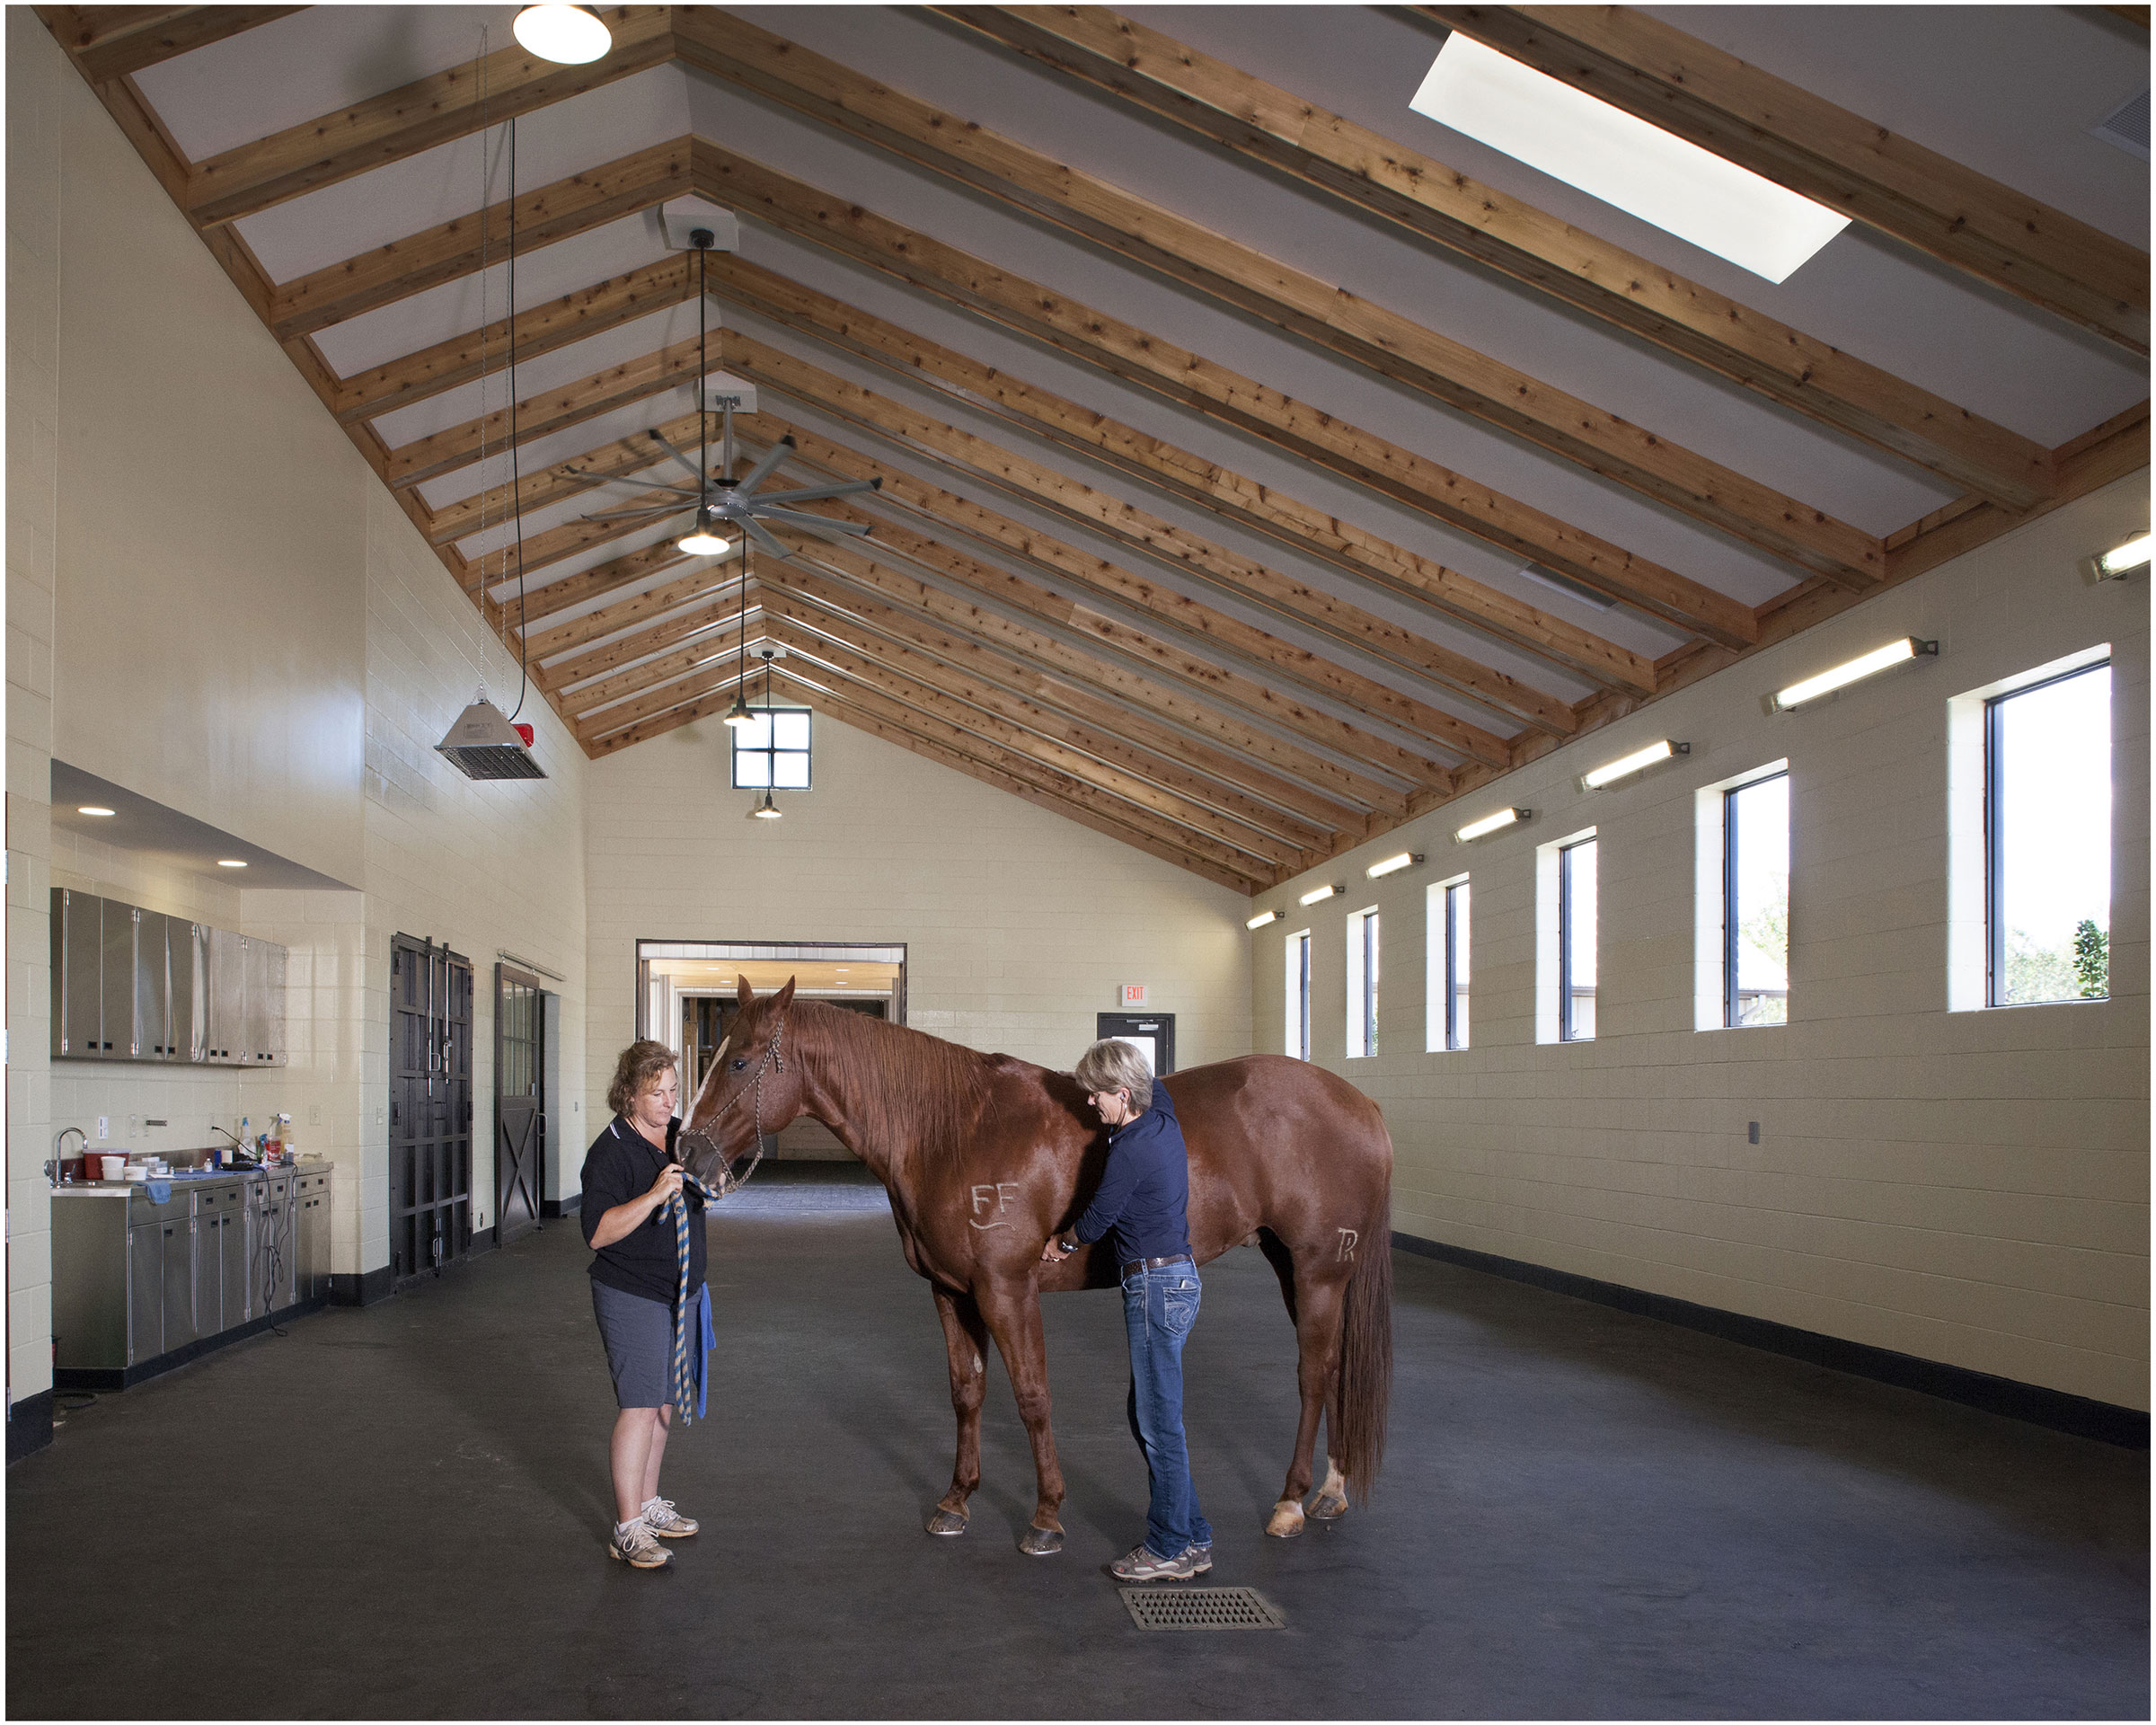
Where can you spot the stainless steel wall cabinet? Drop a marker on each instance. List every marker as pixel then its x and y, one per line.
pixel 129 983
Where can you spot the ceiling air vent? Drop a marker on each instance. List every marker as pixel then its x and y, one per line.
pixel 1565 585
pixel 2126 127
pixel 483 745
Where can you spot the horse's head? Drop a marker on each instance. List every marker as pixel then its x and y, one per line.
pixel 752 1089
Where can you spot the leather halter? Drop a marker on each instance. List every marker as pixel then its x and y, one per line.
pixel 773 1058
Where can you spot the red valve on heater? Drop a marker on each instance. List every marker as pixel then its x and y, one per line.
pixel 524 731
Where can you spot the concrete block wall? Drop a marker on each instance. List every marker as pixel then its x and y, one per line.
pixel 1019 925
pixel 1967 1186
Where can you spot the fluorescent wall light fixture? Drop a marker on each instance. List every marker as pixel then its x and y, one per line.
pixel 1262 918
pixel 1641 169
pixel 1392 865
pixel 103 814
pixel 1880 659
pixel 1316 893
pixel 566 35
pixel 2120 562
pixel 1489 824
pixel 230 863
pixel 1637 761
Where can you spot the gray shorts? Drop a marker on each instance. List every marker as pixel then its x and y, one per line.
pixel 639 1334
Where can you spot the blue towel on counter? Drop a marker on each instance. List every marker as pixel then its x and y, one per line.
pixel 707 1338
pixel 160 1191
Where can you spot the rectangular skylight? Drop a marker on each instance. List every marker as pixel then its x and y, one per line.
pixel 1643 169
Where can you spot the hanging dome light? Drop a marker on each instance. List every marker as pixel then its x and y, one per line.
pixel 700 541
pixel 765 811
pixel 566 35
pixel 739 715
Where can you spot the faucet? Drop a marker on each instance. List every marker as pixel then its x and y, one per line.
pixel 59 1151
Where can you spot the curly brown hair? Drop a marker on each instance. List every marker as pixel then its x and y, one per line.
pixel 640 1068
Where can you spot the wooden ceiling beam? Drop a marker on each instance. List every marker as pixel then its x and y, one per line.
pixel 1310 729
pixel 901 675
pixel 1990 231
pixel 1051 557
pixel 1374 337
pixel 540 329
pixel 452 249
pixel 1301 529
pixel 1136 356
pixel 698 684
pixel 612 663
pixel 542 415
pixel 556 596
pixel 574 538
pixel 1021 724
pixel 706 645
pixel 1065 792
pixel 111 42
pixel 622 459
pixel 1211 100
pixel 1008 663
pixel 432 110
pixel 623 614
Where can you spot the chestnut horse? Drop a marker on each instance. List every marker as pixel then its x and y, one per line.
pixel 984 1157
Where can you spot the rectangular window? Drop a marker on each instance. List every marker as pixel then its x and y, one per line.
pixel 771 753
pixel 1755 902
pixel 1298 994
pixel 1575 918
pixel 2047 839
pixel 1362 985
pixel 1446 990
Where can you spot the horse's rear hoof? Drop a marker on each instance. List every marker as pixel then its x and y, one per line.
pixel 947 1522
pixel 1041 1541
pixel 1327 1506
pixel 1286 1520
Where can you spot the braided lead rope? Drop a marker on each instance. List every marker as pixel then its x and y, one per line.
pixel 684 1392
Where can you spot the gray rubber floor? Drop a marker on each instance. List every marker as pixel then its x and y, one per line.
pixel 401 1511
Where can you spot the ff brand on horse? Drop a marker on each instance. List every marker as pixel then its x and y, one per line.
pixel 984 1157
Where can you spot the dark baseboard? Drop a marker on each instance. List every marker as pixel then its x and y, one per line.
pixel 102 1380
pixel 553 1209
pixel 2076 1414
pixel 483 1240
pixel 363 1289
pixel 29 1426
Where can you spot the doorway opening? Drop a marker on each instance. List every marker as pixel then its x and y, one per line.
pixel 687 997
pixel 521 1033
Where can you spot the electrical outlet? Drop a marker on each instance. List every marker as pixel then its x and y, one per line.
pixel 104 1127
pixel 1753 1136
pixel 133 1126
pixel 314 1113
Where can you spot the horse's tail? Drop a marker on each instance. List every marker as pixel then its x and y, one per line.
pixel 1366 1390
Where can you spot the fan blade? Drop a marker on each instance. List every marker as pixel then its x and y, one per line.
pixel 695 472
pixel 817 493
pixel 762 471
pixel 625 479
pixel 765 542
pixel 817 523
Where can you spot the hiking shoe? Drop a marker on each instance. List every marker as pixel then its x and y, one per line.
pixel 662 1518
pixel 633 1545
pixel 1142 1565
pixel 1201 1558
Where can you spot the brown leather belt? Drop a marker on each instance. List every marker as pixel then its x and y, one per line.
pixel 1156 1263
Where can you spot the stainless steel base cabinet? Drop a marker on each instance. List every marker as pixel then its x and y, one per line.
pixel 145 1295
pixel 313 1282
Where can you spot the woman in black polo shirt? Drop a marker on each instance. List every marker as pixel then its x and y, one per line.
pixel 630 1173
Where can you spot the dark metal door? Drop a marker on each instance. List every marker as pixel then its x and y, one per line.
pixel 520 1101
pixel 1152 1034
pixel 429 1108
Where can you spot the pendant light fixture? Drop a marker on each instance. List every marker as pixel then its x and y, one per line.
pixel 738 716
pixel 767 809
pixel 566 35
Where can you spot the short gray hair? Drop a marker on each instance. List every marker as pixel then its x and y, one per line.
pixel 1110 1065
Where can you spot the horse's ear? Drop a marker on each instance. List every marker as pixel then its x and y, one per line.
pixel 745 994
pixel 784 997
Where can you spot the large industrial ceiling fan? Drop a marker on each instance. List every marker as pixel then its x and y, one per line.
pixel 719 499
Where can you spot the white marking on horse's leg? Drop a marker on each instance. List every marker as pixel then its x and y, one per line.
pixel 1286 1520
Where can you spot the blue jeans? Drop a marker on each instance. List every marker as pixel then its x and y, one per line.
pixel 1159 1308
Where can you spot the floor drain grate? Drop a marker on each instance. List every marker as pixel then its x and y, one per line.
pixel 1201 1609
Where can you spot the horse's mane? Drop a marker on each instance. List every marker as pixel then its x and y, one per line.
pixel 902 1085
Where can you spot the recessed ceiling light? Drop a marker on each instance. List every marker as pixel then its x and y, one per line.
pixel 102 814
pixel 230 863
pixel 1622 160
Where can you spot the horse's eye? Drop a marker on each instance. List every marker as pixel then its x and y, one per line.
pixel 740 1065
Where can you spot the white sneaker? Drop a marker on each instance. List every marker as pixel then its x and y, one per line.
pixel 662 1518
pixel 633 1545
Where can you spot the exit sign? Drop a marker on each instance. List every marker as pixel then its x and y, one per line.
pixel 1133 994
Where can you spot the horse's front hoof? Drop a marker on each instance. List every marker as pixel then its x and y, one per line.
pixel 1327 1506
pixel 946 1522
pixel 1286 1520
pixel 1041 1541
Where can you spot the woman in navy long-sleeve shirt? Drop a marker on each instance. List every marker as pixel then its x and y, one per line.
pixel 1143 1199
